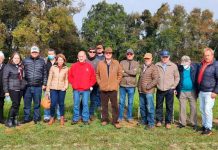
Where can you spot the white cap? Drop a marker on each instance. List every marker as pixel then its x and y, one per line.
pixel 34 49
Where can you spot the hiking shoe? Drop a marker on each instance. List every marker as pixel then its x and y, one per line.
pixel 168 126
pixel 74 122
pixel 202 129
pixel 158 124
pixel 117 125
pixel 46 120
pixel 180 126
pixel 207 132
pixel 195 127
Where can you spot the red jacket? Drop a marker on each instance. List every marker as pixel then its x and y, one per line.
pixel 81 76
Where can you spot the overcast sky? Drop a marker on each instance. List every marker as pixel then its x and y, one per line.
pixel 140 5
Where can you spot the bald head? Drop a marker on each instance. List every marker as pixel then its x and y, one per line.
pixel 81 56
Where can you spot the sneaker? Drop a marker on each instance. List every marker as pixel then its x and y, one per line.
pixel 74 122
pixel 180 126
pixel 104 123
pixel 168 126
pixel 46 120
pixel 117 125
pixel 158 124
pixel 207 132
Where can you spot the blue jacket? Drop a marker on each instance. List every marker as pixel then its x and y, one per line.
pixel 194 78
pixel 209 82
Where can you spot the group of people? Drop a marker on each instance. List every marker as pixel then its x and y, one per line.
pixel 98 77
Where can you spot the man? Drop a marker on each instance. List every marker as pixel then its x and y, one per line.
pixel 94 95
pixel 100 52
pixel 109 75
pixel 128 83
pixel 208 87
pixel 2 94
pixel 147 82
pixel 187 90
pixel 169 79
pixel 82 78
pixel 36 77
pixel 50 60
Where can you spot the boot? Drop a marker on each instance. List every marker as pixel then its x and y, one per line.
pixel 9 122
pixel 51 121
pixel 62 121
pixel 15 121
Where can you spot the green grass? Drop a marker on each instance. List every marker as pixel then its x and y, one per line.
pixel 94 136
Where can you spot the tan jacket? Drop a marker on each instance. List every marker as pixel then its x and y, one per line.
pixel 148 79
pixel 130 70
pixel 111 82
pixel 57 79
pixel 169 78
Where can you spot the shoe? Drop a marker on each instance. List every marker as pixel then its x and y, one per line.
pixel 180 126
pixel 168 126
pixel 51 121
pixel 9 123
pixel 62 121
pixel 74 122
pixel 46 120
pixel 25 121
pixel 85 122
pixel 92 118
pixel 104 123
pixel 207 132
pixel 130 121
pixel 202 129
pixel 36 121
pixel 15 121
pixel 158 124
pixel 117 125
pixel 195 127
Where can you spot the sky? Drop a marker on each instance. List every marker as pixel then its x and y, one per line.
pixel 152 5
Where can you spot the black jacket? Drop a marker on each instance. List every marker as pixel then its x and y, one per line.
pixel 35 71
pixel 2 94
pixel 11 79
pixel 209 81
pixel 194 78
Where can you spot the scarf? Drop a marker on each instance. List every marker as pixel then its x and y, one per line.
pixel 20 71
pixel 201 72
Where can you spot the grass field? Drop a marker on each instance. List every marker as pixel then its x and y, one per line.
pixel 94 136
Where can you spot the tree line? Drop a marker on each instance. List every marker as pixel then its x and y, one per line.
pixel 50 24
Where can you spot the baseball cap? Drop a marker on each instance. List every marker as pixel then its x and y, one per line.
pixel 130 51
pixel 34 49
pixel 164 53
pixel 148 55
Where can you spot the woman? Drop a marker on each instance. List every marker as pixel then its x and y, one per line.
pixel 2 94
pixel 14 84
pixel 57 85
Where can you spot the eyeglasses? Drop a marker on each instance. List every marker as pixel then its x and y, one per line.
pixel 92 52
pixel 108 53
pixel 129 54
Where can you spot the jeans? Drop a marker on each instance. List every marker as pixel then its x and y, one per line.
pixel 35 94
pixel 47 114
pixel 123 91
pixel 206 106
pixel 147 108
pixel 57 98
pixel 85 102
pixel 94 100
pixel 169 98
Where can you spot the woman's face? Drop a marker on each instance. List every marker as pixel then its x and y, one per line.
pixel 16 59
pixel 60 61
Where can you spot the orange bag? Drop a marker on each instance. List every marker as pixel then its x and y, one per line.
pixel 45 102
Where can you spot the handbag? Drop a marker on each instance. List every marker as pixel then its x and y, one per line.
pixel 46 103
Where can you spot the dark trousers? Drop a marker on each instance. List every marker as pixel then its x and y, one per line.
pixel 1 108
pixel 105 97
pixel 57 98
pixel 15 98
pixel 169 97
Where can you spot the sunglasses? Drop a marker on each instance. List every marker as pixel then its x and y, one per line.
pixel 92 52
pixel 129 54
pixel 107 53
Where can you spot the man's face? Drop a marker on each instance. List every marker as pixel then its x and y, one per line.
pixel 108 55
pixel 81 57
pixel 208 56
pixel 100 49
pixel 148 61
pixel 34 54
pixel 165 59
pixel 130 56
pixel 92 53
pixel 51 53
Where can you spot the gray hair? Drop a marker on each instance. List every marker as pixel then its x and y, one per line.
pixel 2 55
